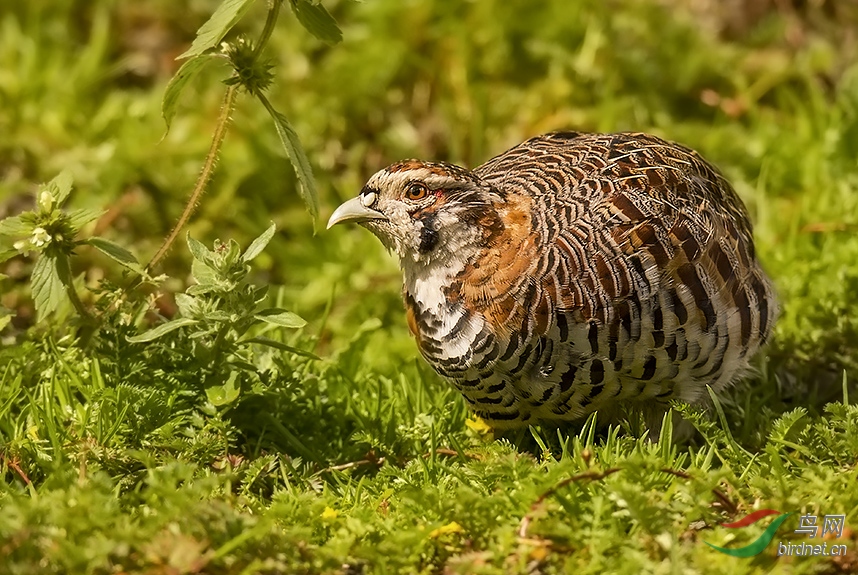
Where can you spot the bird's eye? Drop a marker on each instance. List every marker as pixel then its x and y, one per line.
pixel 416 192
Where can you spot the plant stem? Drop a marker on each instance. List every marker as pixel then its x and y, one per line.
pixel 205 175
pixel 64 271
pixel 78 305
pixel 217 142
pixel 218 342
pixel 270 21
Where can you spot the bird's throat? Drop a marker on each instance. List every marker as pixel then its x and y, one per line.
pixel 436 313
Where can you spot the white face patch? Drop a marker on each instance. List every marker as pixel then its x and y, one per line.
pixel 426 276
pixel 367 199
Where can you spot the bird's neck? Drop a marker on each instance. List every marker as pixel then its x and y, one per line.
pixel 431 282
pixel 480 281
pixel 444 326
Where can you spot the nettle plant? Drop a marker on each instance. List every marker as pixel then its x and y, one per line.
pixel 218 311
pixel 50 232
pixel 215 315
pixel 251 73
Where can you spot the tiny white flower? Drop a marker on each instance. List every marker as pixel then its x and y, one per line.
pixel 22 246
pixel 46 201
pixel 40 237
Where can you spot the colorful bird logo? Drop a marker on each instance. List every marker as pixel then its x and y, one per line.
pixel 762 541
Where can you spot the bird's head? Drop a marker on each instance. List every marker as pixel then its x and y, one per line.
pixel 428 213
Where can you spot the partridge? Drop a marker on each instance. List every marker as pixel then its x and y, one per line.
pixel 573 273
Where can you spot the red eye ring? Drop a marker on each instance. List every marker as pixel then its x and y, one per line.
pixel 416 192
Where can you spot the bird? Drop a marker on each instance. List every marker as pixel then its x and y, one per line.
pixel 573 273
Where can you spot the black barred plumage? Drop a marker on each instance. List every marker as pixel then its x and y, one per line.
pixel 573 273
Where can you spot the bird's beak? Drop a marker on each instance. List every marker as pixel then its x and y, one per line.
pixel 354 211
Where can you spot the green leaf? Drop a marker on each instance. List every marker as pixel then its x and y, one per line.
pixel 6 316
pixel 281 346
pixel 61 187
pixel 200 252
pixel 293 147
pixel 259 244
pixel 243 365
pixel 187 304
pixel 162 329
pixel 317 20
pixel 212 32
pixel 16 226
pixel 224 394
pixel 258 294
pixel 116 253
pixel 280 317
pixel 47 285
pixel 178 82
pixel 220 315
pixel 204 275
pixel 5 255
pixel 79 218
pixel 232 255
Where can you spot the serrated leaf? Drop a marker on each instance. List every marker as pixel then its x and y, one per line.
pixel 197 290
pixel 212 32
pixel 162 329
pixel 178 82
pixel 207 332
pixel 199 251
pixel 16 226
pixel 204 275
pixel 187 304
pixel 281 317
pixel 117 253
pixel 218 315
pixel 47 286
pixel 257 245
pixel 317 21
pixel 280 346
pixel 79 218
pixel 299 160
pixel 61 187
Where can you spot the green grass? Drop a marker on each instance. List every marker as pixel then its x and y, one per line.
pixel 116 458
